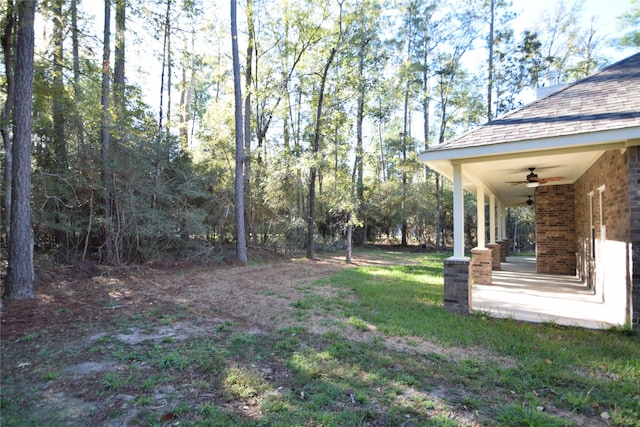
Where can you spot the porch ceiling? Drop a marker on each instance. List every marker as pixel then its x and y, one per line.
pixel 494 169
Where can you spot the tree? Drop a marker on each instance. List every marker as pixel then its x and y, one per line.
pixel 7 109
pixel 241 245
pixel 315 150
pixel 76 73
pixel 75 48
pixel 58 114
pixel 490 45
pixel 58 108
pixel 20 275
pixel 517 65
pixel 315 145
pixel 105 138
pixel 411 34
pixel 247 117
pixel 587 56
pixel 449 74
pixel 496 22
pixel 630 21
pixel 119 69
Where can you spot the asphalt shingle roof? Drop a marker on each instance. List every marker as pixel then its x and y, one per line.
pixel 607 100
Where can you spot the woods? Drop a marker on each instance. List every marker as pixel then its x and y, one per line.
pixel 109 165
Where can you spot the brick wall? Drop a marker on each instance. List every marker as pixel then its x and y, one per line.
pixel 634 201
pixel 605 251
pixel 555 230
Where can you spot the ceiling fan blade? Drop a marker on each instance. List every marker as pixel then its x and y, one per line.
pixel 516 182
pixel 550 179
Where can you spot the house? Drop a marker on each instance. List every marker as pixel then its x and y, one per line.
pixel 576 153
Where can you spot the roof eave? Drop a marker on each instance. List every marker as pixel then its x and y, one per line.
pixel 611 139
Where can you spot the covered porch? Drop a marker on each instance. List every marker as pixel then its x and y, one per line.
pixel 519 292
pixel 574 156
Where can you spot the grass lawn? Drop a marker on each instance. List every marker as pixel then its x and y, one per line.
pixel 364 346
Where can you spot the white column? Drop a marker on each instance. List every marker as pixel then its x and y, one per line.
pixel 500 219
pixel 480 220
pixel 492 218
pixel 458 213
pixel 504 223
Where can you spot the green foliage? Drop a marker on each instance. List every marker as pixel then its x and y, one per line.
pixel 170 185
pixel 630 21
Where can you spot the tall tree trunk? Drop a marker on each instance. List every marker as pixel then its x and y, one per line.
pixel 7 109
pixel 162 131
pixel 315 149
pixel 438 211
pixel 404 165
pixel 57 104
pixel 349 238
pixel 426 98
pixel 297 135
pixel 169 73
pixel 58 115
pixel 359 168
pixel 490 42
pixel 383 167
pixel 75 48
pixel 247 120
pixel 119 67
pixel 186 97
pixel 241 243
pixel 119 109
pixel 165 60
pixel 20 275
pixel 105 137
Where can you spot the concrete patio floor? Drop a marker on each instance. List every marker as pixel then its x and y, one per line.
pixel 519 292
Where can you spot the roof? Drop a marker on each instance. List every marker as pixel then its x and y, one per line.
pixel 607 100
pixel 560 135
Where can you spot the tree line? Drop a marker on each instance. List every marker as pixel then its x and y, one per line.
pixel 174 129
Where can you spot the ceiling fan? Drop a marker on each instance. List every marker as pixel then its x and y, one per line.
pixel 533 180
pixel 529 202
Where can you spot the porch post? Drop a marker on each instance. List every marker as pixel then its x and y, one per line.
pixel 503 221
pixel 492 218
pixel 457 286
pixel 500 216
pixel 502 232
pixel 480 221
pixel 458 212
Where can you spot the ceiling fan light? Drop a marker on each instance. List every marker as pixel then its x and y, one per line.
pixel 533 184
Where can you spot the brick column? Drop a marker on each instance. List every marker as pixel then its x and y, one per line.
pixel 504 249
pixel 457 288
pixel 495 255
pixel 556 238
pixel 480 267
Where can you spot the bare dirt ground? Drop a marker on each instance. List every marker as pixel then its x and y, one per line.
pixel 73 310
pixel 256 296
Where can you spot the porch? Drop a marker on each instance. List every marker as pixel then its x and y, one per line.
pixel 518 291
